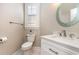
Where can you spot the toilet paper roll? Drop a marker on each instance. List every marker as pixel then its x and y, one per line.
pixel 3 39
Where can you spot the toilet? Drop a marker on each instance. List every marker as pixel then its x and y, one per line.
pixel 30 40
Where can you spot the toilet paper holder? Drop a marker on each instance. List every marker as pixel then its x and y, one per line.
pixel 0 40
pixel 3 39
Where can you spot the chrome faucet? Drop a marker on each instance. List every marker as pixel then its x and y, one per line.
pixel 63 33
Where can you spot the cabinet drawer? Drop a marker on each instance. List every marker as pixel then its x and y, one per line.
pixel 52 50
pixel 55 48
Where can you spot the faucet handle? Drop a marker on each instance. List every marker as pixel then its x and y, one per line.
pixel 71 35
pixel 60 34
pixel 64 33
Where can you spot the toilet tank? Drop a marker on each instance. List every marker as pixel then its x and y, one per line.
pixel 30 37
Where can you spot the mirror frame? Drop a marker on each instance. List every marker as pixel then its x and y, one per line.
pixel 75 20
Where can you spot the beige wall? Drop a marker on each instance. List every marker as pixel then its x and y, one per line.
pixel 48 20
pixel 14 32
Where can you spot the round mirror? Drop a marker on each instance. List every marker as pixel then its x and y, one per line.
pixel 68 14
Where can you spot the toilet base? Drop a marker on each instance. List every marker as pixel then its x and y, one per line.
pixel 33 51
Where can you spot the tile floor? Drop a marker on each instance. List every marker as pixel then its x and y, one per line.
pixel 32 51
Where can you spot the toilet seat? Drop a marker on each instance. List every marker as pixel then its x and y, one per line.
pixel 26 45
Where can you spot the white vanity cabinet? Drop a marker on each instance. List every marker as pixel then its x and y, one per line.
pixel 49 47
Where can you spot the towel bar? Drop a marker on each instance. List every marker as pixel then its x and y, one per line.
pixel 15 23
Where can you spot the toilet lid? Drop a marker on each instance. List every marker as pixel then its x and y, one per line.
pixel 27 44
